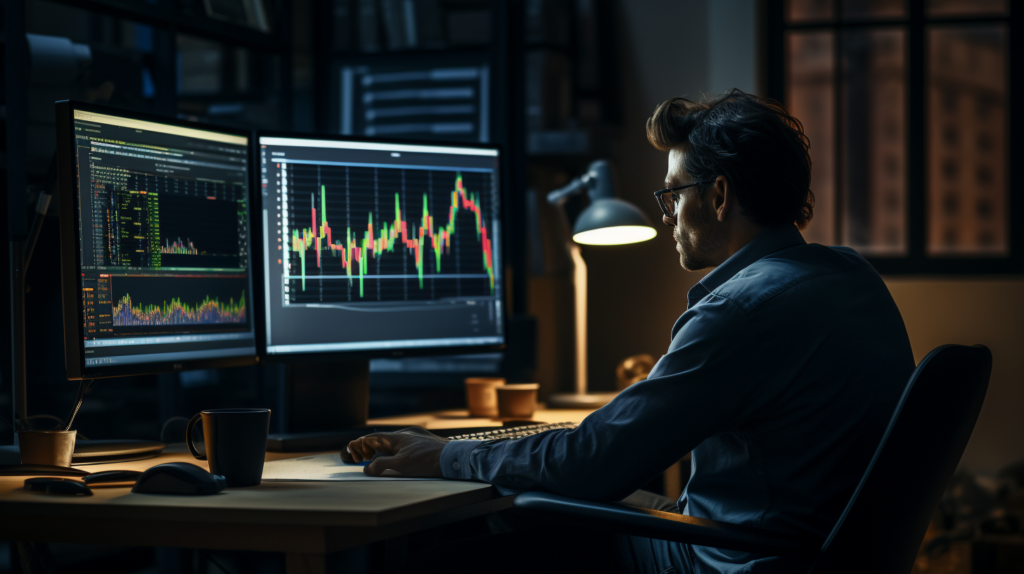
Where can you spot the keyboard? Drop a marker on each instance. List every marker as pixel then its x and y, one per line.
pixel 513 432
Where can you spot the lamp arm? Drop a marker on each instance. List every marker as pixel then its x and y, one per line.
pixel 575 187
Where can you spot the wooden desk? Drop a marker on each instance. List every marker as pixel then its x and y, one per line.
pixel 304 520
pixel 459 418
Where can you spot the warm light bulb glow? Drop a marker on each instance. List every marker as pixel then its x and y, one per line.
pixel 618 235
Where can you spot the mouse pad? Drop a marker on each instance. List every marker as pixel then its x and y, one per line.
pixel 323 468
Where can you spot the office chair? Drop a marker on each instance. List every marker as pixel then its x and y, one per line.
pixel 883 524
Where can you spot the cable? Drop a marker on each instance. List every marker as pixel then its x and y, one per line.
pixel 60 421
pixel 83 388
pixel 60 424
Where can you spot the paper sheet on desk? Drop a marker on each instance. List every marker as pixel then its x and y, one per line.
pixel 322 468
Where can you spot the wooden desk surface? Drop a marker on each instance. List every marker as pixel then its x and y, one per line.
pixel 301 518
pixel 459 418
pixel 305 520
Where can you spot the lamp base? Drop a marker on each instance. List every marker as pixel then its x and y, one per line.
pixel 579 400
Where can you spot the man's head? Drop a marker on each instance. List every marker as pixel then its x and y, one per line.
pixel 750 160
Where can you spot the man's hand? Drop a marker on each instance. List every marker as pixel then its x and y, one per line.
pixel 414 451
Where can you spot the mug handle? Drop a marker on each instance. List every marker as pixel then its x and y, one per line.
pixel 188 437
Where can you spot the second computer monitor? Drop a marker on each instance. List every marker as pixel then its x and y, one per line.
pixel 373 248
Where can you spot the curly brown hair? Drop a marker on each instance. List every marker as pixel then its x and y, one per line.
pixel 752 141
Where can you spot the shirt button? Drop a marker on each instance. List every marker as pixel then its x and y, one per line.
pixel 456 465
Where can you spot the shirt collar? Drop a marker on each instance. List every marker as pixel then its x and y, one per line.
pixel 769 241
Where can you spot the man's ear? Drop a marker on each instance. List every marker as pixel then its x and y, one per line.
pixel 722 197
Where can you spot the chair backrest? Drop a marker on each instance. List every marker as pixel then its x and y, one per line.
pixel 885 521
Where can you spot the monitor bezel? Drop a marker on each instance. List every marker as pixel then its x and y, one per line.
pixel 70 250
pixel 261 333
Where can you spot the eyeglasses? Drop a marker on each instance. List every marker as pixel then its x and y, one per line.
pixel 668 199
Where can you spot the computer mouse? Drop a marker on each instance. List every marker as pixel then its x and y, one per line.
pixel 364 463
pixel 178 478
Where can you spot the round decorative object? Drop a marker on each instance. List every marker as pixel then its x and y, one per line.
pixel 633 369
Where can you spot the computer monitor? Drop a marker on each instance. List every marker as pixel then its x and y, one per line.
pixel 155 243
pixel 377 248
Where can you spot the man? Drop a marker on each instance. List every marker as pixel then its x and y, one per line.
pixel 781 375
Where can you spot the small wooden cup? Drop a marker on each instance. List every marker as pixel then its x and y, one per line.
pixel 482 396
pixel 52 447
pixel 517 401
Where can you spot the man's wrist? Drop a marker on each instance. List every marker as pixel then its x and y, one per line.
pixel 455 459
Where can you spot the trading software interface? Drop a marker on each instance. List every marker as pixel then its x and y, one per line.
pixel 164 239
pixel 373 246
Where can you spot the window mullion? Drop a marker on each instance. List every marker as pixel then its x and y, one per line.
pixel 916 138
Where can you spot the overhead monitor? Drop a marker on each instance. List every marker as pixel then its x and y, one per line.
pixel 155 240
pixel 380 249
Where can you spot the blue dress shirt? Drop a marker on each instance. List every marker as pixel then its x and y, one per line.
pixel 781 377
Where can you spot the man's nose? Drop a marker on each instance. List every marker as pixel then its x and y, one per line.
pixel 668 221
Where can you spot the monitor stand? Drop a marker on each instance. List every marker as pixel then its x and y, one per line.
pixel 324 405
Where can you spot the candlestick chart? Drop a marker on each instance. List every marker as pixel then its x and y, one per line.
pixel 358 233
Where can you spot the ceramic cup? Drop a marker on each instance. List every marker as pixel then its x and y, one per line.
pixel 236 443
pixel 482 396
pixel 518 400
pixel 51 447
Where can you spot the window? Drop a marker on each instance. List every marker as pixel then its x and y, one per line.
pixel 906 105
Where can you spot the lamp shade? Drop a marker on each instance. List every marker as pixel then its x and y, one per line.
pixel 611 221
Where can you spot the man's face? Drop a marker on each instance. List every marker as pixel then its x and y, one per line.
pixel 698 233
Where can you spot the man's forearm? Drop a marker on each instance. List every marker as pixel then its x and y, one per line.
pixel 455 459
pixel 609 456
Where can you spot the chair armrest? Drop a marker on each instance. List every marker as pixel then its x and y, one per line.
pixel 659 525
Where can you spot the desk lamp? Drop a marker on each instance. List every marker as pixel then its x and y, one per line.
pixel 606 221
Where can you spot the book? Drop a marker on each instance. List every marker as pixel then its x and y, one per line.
pixel 548 89
pixel 547 22
pixel 393 14
pixel 429 24
pixel 369 26
pixel 469 27
pixel 341 17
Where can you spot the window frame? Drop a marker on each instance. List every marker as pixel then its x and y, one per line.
pixel 916 261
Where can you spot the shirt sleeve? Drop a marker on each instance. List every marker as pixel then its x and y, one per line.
pixel 455 459
pixel 695 391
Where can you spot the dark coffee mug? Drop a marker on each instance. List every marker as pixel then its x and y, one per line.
pixel 236 443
